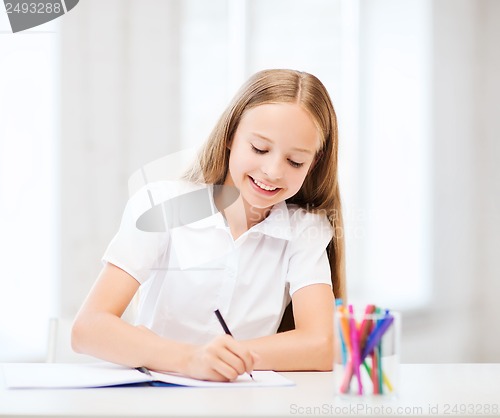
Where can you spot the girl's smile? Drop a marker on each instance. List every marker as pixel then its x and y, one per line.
pixel 265 188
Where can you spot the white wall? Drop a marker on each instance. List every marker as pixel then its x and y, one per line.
pixel 486 280
pixel 466 188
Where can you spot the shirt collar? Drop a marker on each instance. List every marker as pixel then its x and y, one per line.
pixel 276 224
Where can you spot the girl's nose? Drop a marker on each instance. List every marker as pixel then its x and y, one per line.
pixel 273 169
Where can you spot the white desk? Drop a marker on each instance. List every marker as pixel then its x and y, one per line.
pixel 426 390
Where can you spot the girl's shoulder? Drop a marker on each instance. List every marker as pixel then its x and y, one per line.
pixel 149 203
pixel 302 220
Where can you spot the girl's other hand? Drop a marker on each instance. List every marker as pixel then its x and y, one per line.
pixel 222 359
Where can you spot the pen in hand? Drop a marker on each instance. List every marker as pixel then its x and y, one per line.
pixel 226 329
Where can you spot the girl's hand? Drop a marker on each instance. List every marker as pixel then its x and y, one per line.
pixel 222 359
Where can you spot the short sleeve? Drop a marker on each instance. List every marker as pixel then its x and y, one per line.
pixel 308 260
pixel 135 251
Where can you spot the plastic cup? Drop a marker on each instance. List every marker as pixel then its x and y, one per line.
pixel 366 352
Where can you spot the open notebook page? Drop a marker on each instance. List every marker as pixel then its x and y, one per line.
pixel 66 375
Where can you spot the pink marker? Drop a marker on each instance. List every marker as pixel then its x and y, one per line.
pixel 356 355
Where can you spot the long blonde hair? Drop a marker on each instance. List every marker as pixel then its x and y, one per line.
pixel 320 190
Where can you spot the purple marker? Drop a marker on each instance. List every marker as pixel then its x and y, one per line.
pixel 377 334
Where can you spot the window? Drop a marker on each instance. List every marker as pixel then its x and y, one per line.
pixel 390 261
pixel 28 192
pixel 373 60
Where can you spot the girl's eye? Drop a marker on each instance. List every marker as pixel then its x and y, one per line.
pixel 263 151
pixel 294 164
pixel 258 151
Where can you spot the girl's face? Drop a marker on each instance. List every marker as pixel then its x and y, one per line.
pixel 271 153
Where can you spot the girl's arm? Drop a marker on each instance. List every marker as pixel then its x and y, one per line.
pixel 99 331
pixel 310 345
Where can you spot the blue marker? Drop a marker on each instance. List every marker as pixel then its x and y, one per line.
pixel 376 336
pixel 338 302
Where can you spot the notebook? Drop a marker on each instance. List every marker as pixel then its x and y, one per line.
pixel 102 374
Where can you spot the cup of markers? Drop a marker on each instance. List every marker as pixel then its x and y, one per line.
pixel 366 354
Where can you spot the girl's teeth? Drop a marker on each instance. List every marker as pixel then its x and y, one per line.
pixel 263 186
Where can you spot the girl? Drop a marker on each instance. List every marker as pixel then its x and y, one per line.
pixel 279 241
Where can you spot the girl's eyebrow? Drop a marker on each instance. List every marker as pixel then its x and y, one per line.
pixel 296 149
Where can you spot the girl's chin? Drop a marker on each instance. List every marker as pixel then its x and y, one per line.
pixel 260 203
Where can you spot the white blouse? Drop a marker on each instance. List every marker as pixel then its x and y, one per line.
pixel 188 271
